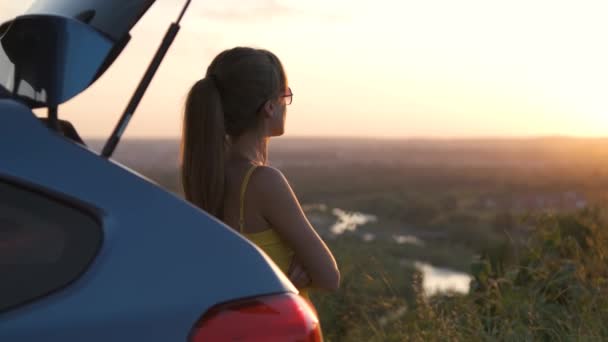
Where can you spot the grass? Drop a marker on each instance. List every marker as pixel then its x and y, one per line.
pixel 555 289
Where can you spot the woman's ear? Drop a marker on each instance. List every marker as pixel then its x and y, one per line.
pixel 269 108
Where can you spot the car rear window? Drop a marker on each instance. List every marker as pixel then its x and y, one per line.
pixel 45 244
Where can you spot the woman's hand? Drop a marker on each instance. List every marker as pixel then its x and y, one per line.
pixel 298 275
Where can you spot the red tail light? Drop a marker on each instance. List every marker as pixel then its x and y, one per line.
pixel 285 317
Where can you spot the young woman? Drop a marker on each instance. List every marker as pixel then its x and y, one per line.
pixel 229 117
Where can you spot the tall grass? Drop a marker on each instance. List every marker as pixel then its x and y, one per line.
pixel 552 288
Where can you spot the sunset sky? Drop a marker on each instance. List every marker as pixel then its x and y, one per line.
pixel 377 68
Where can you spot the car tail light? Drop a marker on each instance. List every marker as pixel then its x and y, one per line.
pixel 284 317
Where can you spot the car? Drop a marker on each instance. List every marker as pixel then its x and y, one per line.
pixel 89 249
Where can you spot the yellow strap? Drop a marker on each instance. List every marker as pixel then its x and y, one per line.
pixel 243 189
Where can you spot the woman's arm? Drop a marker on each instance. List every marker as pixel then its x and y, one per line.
pixel 281 208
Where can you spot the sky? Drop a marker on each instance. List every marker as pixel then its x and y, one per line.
pixel 382 68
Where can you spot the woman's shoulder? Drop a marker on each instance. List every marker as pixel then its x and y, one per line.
pixel 265 175
pixel 268 181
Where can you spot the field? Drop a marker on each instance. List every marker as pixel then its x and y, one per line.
pixel 446 239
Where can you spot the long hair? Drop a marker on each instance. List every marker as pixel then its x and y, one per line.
pixel 219 108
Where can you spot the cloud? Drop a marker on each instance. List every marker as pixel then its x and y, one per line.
pixel 260 10
pixel 254 10
pixel 231 10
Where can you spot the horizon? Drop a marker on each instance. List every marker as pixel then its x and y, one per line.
pixel 396 138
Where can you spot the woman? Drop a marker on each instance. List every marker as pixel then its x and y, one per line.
pixel 229 117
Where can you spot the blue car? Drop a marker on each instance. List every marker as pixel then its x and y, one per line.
pixel 92 251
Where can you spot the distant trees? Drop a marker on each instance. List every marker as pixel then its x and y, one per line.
pixel 503 221
pixel 419 212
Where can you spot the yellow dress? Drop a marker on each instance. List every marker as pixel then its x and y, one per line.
pixel 267 240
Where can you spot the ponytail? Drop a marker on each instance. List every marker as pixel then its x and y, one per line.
pixel 203 147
